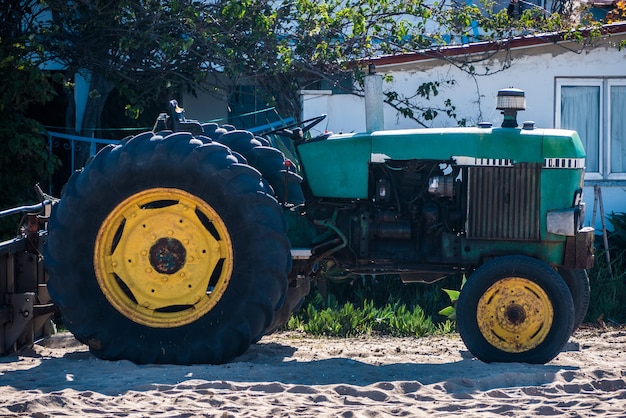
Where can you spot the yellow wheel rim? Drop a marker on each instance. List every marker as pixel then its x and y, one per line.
pixel 163 257
pixel 515 315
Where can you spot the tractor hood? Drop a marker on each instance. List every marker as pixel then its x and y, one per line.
pixel 338 166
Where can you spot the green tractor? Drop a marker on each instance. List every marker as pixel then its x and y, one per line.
pixel 191 242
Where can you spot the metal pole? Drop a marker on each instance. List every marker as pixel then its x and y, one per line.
pixel 72 151
pixel 50 156
pixel 604 233
pixel 374 104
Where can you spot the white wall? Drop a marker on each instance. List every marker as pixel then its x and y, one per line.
pixel 613 199
pixel 345 113
pixel 474 97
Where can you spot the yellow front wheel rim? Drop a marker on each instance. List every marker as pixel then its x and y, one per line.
pixel 163 257
pixel 515 315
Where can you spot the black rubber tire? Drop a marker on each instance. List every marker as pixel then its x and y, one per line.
pixel 532 277
pixel 578 283
pixel 254 222
pixel 299 288
pixel 271 162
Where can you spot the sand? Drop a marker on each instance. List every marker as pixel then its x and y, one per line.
pixel 291 375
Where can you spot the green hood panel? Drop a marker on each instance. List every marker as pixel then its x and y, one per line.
pixel 338 166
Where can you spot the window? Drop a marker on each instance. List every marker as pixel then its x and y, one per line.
pixel 617 129
pixel 594 107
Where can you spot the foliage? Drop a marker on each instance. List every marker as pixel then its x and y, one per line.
pixel 617 236
pixel 151 49
pixel 21 54
pixel 24 160
pixel 363 305
pixel 618 14
pixel 327 317
pixel 146 49
pixel 608 286
pixel 608 292
pixel 450 311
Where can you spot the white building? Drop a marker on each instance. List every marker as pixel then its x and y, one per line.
pixel 566 86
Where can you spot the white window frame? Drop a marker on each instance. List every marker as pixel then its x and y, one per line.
pixel 612 176
pixel 583 82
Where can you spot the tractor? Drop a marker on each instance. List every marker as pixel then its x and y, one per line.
pixel 188 243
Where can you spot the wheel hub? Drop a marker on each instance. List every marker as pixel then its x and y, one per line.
pixel 515 314
pixel 163 257
pixel 167 255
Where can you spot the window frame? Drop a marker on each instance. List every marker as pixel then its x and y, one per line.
pixel 585 82
pixel 610 174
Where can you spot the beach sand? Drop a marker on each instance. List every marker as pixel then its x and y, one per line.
pixel 292 375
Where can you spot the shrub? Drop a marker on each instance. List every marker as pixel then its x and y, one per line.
pixel 608 288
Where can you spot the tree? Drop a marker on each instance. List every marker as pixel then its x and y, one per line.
pixel 331 40
pixel 144 48
pixel 149 49
pixel 24 157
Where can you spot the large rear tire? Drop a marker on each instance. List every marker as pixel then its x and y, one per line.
pixel 299 288
pixel 515 309
pixel 167 250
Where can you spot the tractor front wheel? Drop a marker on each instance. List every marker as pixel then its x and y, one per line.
pixel 515 309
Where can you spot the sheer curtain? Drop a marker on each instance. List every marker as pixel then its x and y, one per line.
pixel 580 111
pixel 618 128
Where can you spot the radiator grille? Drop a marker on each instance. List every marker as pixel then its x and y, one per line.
pixel 503 202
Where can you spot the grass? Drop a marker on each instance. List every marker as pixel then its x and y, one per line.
pixel 348 321
pixel 402 317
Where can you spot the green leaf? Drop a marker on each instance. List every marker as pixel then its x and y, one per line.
pixel 453 294
pixel 448 311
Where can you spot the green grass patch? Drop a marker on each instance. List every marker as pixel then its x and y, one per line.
pixel 328 317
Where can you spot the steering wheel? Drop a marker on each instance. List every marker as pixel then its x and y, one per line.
pixel 302 127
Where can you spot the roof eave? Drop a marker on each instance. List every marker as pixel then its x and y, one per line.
pixel 489 46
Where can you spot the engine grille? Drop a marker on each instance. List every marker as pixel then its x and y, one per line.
pixel 503 202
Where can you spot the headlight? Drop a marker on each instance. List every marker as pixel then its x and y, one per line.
pixel 565 221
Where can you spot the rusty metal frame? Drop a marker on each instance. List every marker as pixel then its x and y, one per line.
pixel 25 305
